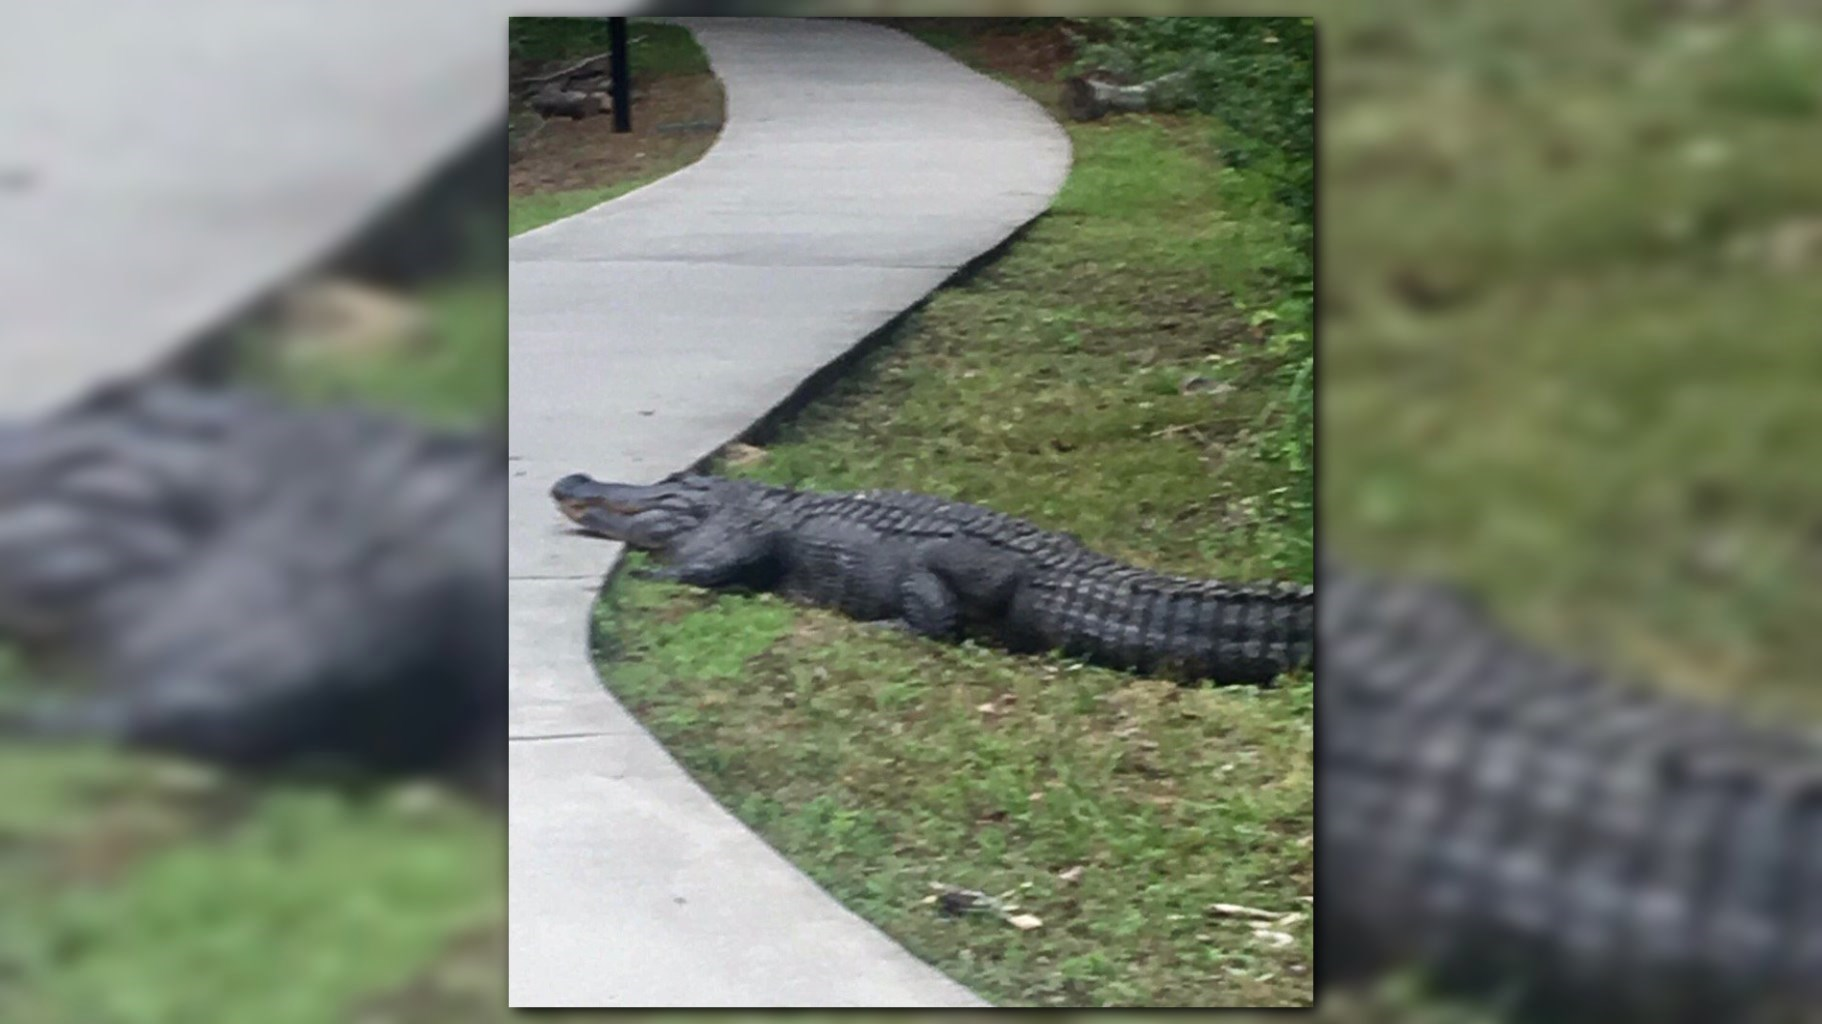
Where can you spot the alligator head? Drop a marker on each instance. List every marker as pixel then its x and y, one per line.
pixel 645 516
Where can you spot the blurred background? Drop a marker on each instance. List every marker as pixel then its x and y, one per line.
pixel 1568 255
pixel 254 258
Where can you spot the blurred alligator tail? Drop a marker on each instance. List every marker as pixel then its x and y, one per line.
pixel 1525 827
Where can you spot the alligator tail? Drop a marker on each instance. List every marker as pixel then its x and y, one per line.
pixel 1520 825
pixel 1192 630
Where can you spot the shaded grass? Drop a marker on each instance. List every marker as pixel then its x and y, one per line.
pixel 1102 378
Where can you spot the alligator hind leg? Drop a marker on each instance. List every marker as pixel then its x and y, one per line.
pixel 981 576
pixel 929 608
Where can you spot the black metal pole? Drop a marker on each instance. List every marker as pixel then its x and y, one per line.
pixel 622 75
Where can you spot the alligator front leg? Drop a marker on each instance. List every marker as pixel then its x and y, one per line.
pixel 722 553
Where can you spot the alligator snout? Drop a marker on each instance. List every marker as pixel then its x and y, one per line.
pixel 580 495
pixel 571 495
pixel 570 485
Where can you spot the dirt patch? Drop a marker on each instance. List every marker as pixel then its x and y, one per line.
pixel 1034 52
pixel 1029 49
pixel 675 120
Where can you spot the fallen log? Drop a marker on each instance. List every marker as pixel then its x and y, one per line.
pixel 588 67
pixel 573 104
pixel 1087 98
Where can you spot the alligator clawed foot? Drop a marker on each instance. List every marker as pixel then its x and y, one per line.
pixel 899 627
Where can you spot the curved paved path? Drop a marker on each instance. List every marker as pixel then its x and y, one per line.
pixel 857 170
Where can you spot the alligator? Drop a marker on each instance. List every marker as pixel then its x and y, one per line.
pixel 944 568
pixel 254 584
pixel 1523 824
pixel 1513 823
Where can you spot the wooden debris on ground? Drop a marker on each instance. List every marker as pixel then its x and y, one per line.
pixel 1268 926
pixel 738 454
pixel 1092 96
pixel 956 901
pixel 342 316
pixel 576 90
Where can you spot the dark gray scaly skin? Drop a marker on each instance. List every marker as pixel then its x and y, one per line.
pixel 254 584
pixel 944 567
pixel 1521 824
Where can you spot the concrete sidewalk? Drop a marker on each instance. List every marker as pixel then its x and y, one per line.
pixel 857 171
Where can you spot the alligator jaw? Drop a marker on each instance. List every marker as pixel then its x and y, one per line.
pixel 599 521
pixel 605 509
pixel 579 492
